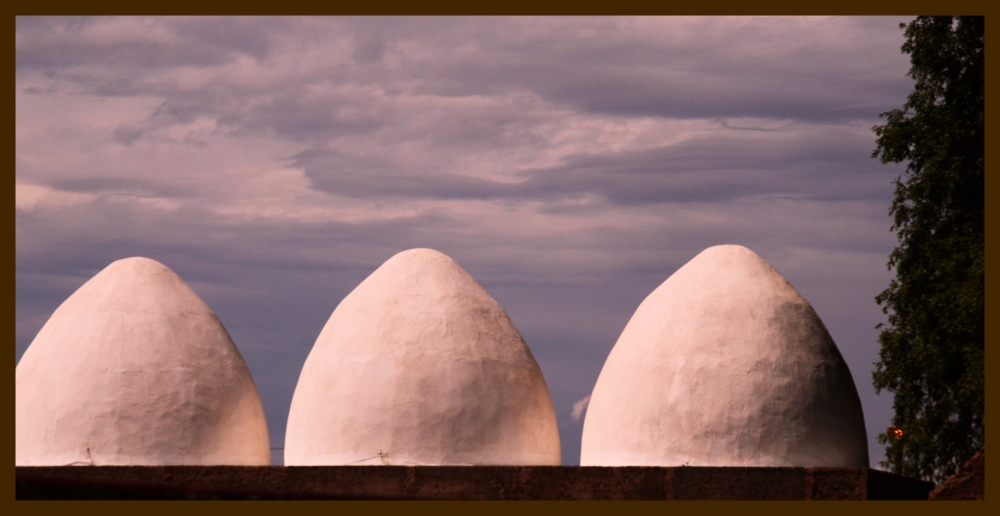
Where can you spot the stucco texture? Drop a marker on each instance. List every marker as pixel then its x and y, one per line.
pixel 420 366
pixel 725 364
pixel 135 369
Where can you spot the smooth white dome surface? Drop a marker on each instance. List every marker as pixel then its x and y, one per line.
pixel 419 365
pixel 134 368
pixel 725 364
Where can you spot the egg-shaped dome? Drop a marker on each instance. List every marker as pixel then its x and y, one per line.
pixel 725 364
pixel 135 369
pixel 419 365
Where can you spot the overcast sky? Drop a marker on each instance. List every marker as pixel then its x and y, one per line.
pixel 570 165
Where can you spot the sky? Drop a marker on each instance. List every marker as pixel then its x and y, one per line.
pixel 569 164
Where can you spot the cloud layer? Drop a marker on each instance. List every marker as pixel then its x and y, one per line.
pixel 569 164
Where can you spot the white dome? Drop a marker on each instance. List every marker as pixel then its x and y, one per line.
pixel 725 364
pixel 419 365
pixel 134 368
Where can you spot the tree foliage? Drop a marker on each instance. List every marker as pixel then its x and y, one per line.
pixel 931 353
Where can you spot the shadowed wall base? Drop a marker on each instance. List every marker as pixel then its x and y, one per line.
pixel 464 483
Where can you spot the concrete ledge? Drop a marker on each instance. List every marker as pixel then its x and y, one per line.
pixel 463 483
pixel 968 483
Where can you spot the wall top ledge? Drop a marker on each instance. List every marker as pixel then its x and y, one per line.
pixel 465 483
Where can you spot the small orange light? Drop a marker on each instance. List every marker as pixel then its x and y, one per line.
pixel 894 432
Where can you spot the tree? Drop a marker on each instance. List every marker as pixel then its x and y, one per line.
pixel 931 353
